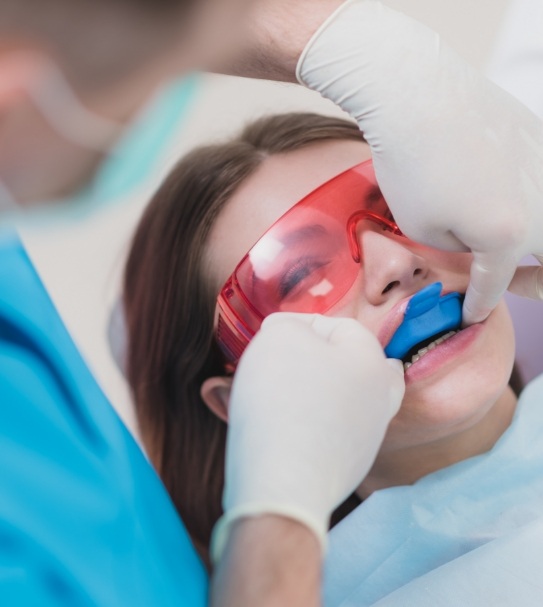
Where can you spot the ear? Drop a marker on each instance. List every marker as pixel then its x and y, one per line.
pixel 215 393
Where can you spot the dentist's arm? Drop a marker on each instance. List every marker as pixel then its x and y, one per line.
pixel 310 404
pixel 269 561
pixel 459 160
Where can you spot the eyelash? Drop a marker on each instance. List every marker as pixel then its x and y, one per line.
pixel 297 273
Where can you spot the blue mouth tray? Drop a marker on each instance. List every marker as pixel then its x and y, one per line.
pixel 427 314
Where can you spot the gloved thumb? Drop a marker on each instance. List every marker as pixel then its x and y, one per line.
pixel 396 364
pixel 397 385
pixel 490 276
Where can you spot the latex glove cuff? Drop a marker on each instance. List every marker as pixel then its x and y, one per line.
pixel 223 527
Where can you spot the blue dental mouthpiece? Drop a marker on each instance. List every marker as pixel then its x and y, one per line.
pixel 427 314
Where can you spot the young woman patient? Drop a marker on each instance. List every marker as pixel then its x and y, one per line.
pixel 211 210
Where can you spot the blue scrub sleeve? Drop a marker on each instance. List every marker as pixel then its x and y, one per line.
pixel 84 519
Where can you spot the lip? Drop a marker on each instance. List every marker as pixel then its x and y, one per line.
pixel 392 321
pixel 443 354
pixel 395 318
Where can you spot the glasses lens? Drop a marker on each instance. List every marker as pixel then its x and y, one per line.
pixel 302 265
pixel 307 261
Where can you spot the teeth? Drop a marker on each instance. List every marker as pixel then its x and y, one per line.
pixel 427 348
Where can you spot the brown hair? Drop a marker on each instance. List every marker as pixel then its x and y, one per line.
pixel 169 309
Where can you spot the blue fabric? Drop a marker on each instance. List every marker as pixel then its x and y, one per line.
pixel 140 149
pixel 84 519
pixel 423 540
pixel 505 572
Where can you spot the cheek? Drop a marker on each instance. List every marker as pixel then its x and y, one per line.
pixel 452 269
pixel 443 405
pixel 355 305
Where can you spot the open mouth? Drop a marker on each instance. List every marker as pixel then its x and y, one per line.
pixel 429 319
pixel 425 346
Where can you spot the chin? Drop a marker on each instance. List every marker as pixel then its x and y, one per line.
pixel 459 387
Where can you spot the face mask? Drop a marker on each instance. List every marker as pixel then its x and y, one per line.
pixel 133 157
pixel 67 116
pixel 60 106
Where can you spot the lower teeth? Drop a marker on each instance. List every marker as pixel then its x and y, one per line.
pixel 427 349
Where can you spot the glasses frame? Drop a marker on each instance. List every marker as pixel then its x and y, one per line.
pixel 236 318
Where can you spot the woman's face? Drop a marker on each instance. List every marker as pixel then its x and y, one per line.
pixel 451 389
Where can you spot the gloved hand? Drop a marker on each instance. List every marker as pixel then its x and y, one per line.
pixel 311 401
pixel 458 159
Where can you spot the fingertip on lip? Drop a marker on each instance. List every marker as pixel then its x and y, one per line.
pixel 396 364
pixel 473 314
pixel 469 319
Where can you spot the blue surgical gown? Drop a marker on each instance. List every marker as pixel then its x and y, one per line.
pixel 84 519
pixel 470 534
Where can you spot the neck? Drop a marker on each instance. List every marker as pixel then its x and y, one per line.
pixel 407 465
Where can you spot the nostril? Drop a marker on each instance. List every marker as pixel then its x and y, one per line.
pixel 417 272
pixel 390 286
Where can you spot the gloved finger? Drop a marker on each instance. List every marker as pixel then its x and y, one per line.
pixel 397 385
pixel 396 364
pixel 528 282
pixel 489 278
pixel 337 330
pixel 281 317
pixel 330 328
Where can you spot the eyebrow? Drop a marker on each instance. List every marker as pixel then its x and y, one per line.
pixel 372 198
pixel 305 233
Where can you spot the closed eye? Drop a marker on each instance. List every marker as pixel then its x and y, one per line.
pixel 297 273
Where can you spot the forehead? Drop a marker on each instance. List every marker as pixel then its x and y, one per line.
pixel 280 182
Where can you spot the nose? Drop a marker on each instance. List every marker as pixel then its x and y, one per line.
pixel 391 268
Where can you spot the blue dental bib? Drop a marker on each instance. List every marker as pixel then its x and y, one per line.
pixel 427 314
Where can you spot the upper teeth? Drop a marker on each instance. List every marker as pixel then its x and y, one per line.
pixel 427 348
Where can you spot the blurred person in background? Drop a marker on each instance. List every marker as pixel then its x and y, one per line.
pixel 74 74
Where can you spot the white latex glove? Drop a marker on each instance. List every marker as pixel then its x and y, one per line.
pixel 311 401
pixel 458 159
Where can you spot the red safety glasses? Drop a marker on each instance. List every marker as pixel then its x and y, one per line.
pixel 306 262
